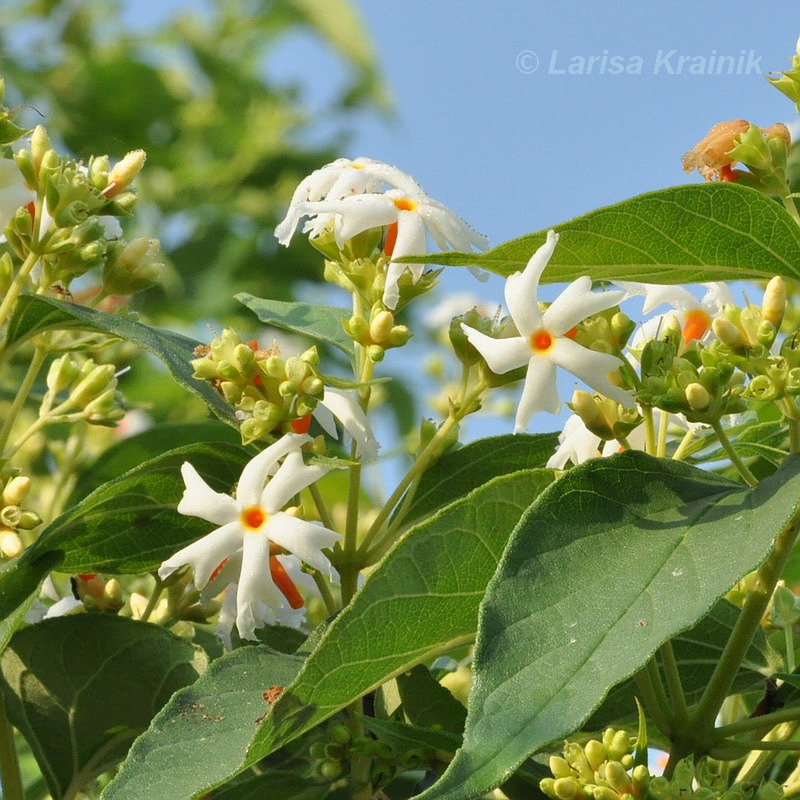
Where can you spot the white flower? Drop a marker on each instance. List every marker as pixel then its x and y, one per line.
pixel 345 193
pixel 543 343
pixel 251 527
pixel 576 443
pixel 695 316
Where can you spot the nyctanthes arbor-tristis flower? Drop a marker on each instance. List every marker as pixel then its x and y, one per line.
pixel 544 342
pixel 254 528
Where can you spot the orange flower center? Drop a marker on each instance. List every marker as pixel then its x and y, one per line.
pixel 695 324
pixel 541 341
pixel 253 518
pixel 405 204
pixel 282 580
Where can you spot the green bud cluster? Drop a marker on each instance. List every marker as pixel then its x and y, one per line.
pixel 701 384
pixel 131 267
pixel 600 769
pixel 91 392
pixel 608 331
pixel 789 81
pixel 329 754
pixel 689 783
pixel 13 518
pixel 764 153
pixel 604 417
pixel 377 334
pixel 266 390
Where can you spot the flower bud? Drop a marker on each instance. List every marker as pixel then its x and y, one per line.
pixel 617 778
pixel 595 751
pixel 398 336
pixel 567 789
pixel 97 379
pixel 697 397
pixel 785 611
pixel 559 767
pixel 10 543
pixel 136 268
pixel 29 520
pixel 375 353
pixel 16 490
pixel 728 333
pixel 710 155
pixel 104 409
pixel 40 144
pixel 98 172
pixel 380 327
pixel 124 172
pixel 774 303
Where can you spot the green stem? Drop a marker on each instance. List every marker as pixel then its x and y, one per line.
pixel 736 460
pixel 649 431
pixel 152 601
pixel 794 435
pixel 321 506
pixel 788 635
pixel 747 624
pixel 765 752
pixel 683 446
pixel 21 278
pixel 10 775
pixel 680 712
pixel 423 461
pixel 663 425
pixel 654 701
pixel 757 723
pixel 37 359
pixel 325 592
pixel 788 204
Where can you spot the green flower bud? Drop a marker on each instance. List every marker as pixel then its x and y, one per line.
pixel 98 379
pixel 340 734
pixel 773 306
pixel 310 357
pixel 329 769
pixel 619 746
pixel 375 353
pixel 567 789
pixel 104 409
pixel 785 611
pixel 287 389
pixel 398 336
pixel 656 358
pixel 124 172
pixel 660 788
pixel 769 790
pixel 24 161
pixel 697 397
pixel 595 751
pixel 766 333
pixel 604 793
pixel 296 371
pixel 545 784
pixel 275 367
pixel 228 371
pixel 204 369
pixel 727 332
pixel 357 328
pixel 29 520
pixel 380 327
pixel 317 750
pixel 137 267
pixel 98 171
pixel 616 777
pixel 231 391
pixel 314 386
pixel 640 777
pixel 559 767
pixel 16 490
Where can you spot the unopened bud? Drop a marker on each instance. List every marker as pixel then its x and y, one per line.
pixel 399 335
pixel 697 397
pixel 774 303
pixel 567 789
pixel 595 752
pixel 381 326
pixel 559 767
pixel 92 385
pixel 29 520
pixel 727 332
pixel 10 543
pixel 137 267
pixel 40 144
pixel 375 353
pixel 617 777
pixel 16 490
pixel 124 172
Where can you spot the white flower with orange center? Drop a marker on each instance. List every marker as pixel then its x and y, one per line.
pixel 694 315
pixel 253 530
pixel 545 342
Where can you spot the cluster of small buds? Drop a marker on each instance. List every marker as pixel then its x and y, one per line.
pixel 96 593
pixel 329 754
pixel 498 328
pixel 131 267
pixel 91 392
pixel 701 783
pixel 701 385
pixel 789 81
pixel 603 416
pixel 600 769
pixel 607 332
pixel 13 518
pixel 266 390
pixel 379 333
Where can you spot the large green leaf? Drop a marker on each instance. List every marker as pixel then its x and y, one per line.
pixel 200 737
pixel 617 557
pixel 708 232
pixel 130 525
pixel 697 652
pixel 321 323
pixel 63 677
pixel 459 472
pixel 421 601
pixel 19 582
pixel 34 314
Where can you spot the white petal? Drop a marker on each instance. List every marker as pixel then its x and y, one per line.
pixel 353 419
pixel 576 444
pixel 302 538
pixel 256 588
pixel 575 304
pixel 200 500
pixel 258 469
pixel 502 355
pixel 359 213
pixel 522 288
pixel 591 367
pixel 206 554
pixel 410 237
pixel 539 392
pixel 656 294
pixel 448 229
pixel 717 295
pixel 292 476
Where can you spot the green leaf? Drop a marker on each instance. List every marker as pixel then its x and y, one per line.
pixel 34 314
pixel 280 784
pixel 130 525
pixel 426 702
pixel 200 737
pixel 686 234
pixel 615 558
pixel 62 680
pixel 421 601
pixel 132 451
pixel 459 472
pixel 320 323
pixel 697 652
pixel 19 582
